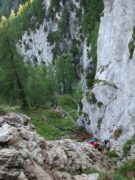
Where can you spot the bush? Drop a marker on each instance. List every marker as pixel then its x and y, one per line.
pixel 127 169
pixel 53 37
pixel 117 133
pixel 131 45
pixel 66 100
pixel 127 145
pixel 90 96
pixel 8 108
pixel 111 154
pixel 50 124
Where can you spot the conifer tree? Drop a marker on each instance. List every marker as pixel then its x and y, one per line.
pixel 11 61
pixel 65 73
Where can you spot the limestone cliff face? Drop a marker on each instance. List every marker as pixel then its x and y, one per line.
pixel 110 104
pixel 114 90
pixel 60 33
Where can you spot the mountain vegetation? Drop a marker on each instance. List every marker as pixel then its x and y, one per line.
pixel 50 93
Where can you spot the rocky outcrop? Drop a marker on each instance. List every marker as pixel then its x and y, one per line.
pixel 26 156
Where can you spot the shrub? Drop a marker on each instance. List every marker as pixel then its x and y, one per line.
pixel 53 37
pixel 127 169
pixel 50 124
pixel 111 154
pixel 117 133
pixel 8 108
pixel 127 145
pixel 131 45
pixel 90 96
pixel 99 104
pixel 66 100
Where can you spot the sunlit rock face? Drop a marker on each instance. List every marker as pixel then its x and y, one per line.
pixel 115 88
pixel 36 46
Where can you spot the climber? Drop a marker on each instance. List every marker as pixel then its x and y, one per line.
pixel 94 142
pixel 100 145
pixel 91 140
pixel 107 144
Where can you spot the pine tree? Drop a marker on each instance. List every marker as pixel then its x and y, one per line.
pixel 12 15
pixel 20 9
pixel 65 73
pixel 11 61
pixel 3 21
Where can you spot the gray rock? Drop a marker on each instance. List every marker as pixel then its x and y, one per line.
pixel 132 151
pixel 27 156
pixel 115 74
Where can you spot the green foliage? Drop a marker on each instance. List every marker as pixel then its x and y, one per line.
pixel 65 73
pixel 117 133
pixel 104 83
pixel 99 123
pixel 4 108
pixel 54 6
pixel 63 23
pixel 122 173
pixel 91 97
pixel 51 125
pixel 91 70
pixel 99 104
pixel 13 70
pixel 12 67
pixel 24 14
pixel 127 145
pixel 103 175
pixel 57 36
pixel 67 100
pixel 92 8
pixel 54 3
pixel 111 154
pixel 127 169
pixel 54 37
pixel 90 27
pixel 131 45
pixel 40 86
pixel 78 93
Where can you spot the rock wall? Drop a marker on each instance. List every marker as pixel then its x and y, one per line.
pixel 44 44
pixel 110 104
pixel 113 114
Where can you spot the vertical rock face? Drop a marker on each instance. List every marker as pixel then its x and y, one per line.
pixel 113 115
pixel 60 33
pixel 110 105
